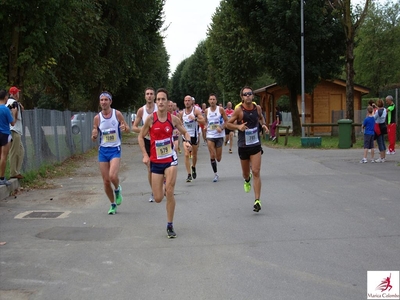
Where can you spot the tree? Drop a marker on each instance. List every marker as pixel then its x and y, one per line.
pixel 351 23
pixel 377 54
pixel 275 27
pixel 235 59
pixel 71 50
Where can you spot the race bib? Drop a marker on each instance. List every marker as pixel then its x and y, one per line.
pixel 109 136
pixel 251 136
pixel 213 126
pixel 163 148
pixel 189 125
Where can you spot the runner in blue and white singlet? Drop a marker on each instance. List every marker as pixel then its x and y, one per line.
pixel 107 125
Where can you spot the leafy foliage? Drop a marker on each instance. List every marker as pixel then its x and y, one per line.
pixel 70 50
pixel 377 56
pixel 275 26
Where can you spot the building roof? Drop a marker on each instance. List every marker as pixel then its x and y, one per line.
pixel 274 87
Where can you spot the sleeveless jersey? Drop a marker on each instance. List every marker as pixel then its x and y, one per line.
pixel 214 119
pixel 162 145
pixel 176 131
pixel 249 137
pixel 190 125
pixel 110 135
pixel 145 115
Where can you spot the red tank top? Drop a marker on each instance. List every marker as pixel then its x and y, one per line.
pixel 161 142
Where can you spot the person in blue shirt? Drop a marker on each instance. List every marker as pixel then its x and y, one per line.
pixel 7 117
pixel 368 127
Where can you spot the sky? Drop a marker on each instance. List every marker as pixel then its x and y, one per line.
pixel 188 21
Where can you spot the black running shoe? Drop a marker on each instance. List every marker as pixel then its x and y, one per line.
pixel 257 205
pixel 189 178
pixel 194 174
pixel 170 232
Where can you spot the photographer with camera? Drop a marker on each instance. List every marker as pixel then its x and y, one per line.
pixel 7 118
pixel 16 154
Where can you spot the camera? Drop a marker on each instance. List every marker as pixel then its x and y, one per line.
pixel 13 105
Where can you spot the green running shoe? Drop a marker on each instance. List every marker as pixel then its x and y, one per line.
pixel 113 209
pixel 257 205
pixel 118 195
pixel 247 185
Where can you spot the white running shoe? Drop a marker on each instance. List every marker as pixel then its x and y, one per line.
pixel 151 198
pixel 216 177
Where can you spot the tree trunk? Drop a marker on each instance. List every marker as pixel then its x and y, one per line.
pixel 294 109
pixel 350 82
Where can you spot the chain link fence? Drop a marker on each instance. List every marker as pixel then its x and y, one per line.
pixel 51 136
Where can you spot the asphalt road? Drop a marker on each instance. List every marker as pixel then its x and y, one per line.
pixel 326 220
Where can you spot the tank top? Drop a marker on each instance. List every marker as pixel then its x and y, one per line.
pixel 145 115
pixel 250 137
pixel 161 142
pixel 214 119
pixel 190 125
pixel 110 135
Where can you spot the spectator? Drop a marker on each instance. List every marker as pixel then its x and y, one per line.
pixel 380 117
pixel 17 149
pixel 368 126
pixel 278 120
pixel 6 118
pixel 391 127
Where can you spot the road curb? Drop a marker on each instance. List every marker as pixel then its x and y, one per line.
pixel 6 191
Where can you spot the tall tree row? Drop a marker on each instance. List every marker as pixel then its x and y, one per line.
pixel 377 53
pixel 62 53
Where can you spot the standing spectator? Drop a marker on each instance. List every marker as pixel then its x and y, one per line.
pixel 368 126
pixel 17 151
pixel 6 118
pixel 163 159
pixel 278 120
pixel 380 118
pixel 109 123
pixel 391 128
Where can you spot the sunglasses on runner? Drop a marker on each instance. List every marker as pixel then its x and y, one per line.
pixel 247 94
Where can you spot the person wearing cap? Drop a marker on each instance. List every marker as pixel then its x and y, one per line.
pixel 109 123
pixel 16 154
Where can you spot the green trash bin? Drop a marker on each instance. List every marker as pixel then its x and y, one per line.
pixel 345 126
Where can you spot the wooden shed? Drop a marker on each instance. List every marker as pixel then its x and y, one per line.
pixel 328 96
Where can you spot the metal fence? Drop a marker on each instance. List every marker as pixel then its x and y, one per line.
pixel 51 136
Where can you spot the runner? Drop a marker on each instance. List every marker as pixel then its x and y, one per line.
pixel 229 133
pixel 203 128
pixel 248 117
pixel 190 117
pixel 109 123
pixel 141 116
pixel 215 118
pixel 163 159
